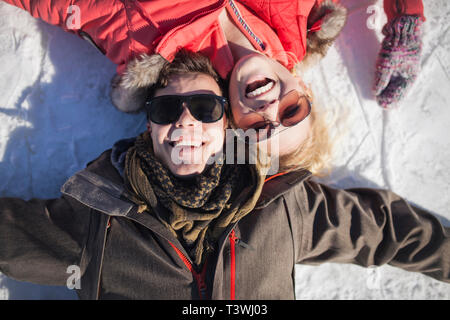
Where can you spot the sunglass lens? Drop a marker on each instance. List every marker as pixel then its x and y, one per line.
pixel 206 108
pixel 295 110
pixel 165 110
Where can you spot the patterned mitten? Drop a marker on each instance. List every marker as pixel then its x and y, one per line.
pixel 398 62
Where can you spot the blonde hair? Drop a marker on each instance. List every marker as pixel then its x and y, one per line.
pixel 314 154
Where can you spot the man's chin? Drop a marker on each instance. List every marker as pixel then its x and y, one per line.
pixel 186 171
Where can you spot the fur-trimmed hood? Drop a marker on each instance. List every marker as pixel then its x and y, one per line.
pixel 325 23
pixel 128 91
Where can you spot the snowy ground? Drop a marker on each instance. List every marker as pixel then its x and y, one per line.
pixel 55 116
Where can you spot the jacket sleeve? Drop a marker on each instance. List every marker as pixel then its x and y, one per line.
pixel 370 227
pixel 395 8
pixel 59 12
pixel 101 22
pixel 40 239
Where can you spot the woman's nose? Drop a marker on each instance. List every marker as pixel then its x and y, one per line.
pixel 269 110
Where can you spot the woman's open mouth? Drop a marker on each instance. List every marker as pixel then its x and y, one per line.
pixel 259 87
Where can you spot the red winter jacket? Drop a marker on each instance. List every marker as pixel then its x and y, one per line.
pixel 124 29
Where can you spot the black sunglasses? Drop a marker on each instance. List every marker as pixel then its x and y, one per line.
pixel 206 108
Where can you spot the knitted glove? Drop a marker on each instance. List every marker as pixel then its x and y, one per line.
pixel 398 62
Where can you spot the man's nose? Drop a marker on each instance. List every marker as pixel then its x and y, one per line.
pixel 186 119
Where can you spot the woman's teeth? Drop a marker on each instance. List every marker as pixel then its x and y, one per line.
pixel 261 90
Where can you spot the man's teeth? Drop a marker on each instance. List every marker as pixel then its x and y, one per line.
pixel 187 144
pixel 260 90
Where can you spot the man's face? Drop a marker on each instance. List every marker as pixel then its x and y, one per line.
pixel 186 145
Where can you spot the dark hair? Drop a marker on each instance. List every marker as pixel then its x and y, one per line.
pixel 185 62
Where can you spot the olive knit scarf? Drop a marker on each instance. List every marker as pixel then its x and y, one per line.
pixel 199 209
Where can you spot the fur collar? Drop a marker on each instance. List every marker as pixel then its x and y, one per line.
pixel 325 23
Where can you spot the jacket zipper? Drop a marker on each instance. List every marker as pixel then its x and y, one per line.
pixel 108 225
pixel 245 25
pixel 199 277
pixel 233 240
pixel 274 176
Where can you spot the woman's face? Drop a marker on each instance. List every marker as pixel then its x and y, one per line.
pixel 257 84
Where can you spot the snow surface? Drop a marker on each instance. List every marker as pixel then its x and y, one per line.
pixel 56 116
